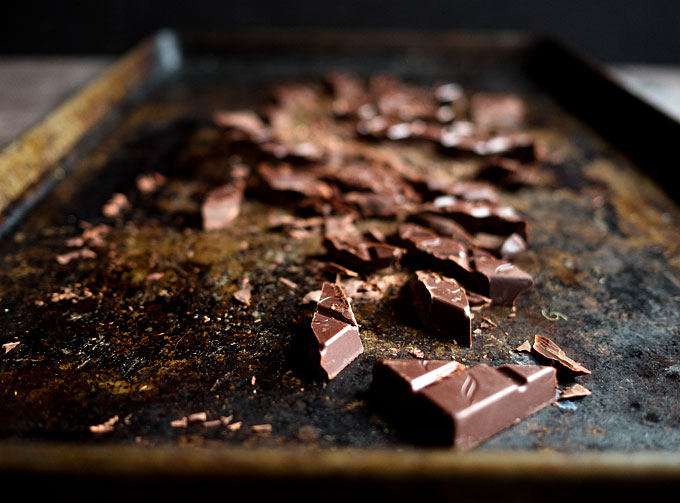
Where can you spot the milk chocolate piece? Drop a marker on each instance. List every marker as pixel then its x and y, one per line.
pixel 283 179
pixel 439 402
pixel 547 349
pixel 481 217
pixel 497 112
pixel 431 250
pixel 335 332
pixel 222 206
pixel 501 281
pixel 360 255
pixel 442 305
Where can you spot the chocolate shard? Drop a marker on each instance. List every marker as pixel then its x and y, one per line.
pixel 243 125
pixel 221 206
pixel 335 332
pixel 438 402
pixel 481 217
pixel 441 305
pixel 547 349
pixel 360 255
pixel 574 391
pixel 444 227
pixel 497 279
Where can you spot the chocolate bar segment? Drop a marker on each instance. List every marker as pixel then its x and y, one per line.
pixel 497 279
pixel 335 341
pixel 441 305
pixel 455 406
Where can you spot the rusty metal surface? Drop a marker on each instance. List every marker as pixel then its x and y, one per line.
pixel 101 337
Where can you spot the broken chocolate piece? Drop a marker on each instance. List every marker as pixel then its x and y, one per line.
pixel 497 112
pixel 524 347
pixel 550 351
pixel 360 255
pixel 244 294
pixel 575 391
pixel 431 250
pixel 442 305
pixel 335 341
pixel 283 179
pixel 501 281
pixel 440 402
pixel 445 227
pixel 221 206
pixel 481 217
pixel 506 247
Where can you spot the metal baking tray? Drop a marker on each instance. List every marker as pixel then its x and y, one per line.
pixel 99 339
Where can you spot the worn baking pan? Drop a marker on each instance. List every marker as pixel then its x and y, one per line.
pixel 147 332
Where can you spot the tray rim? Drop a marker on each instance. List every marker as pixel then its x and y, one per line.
pixel 43 165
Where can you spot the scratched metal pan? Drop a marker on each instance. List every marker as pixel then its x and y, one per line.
pixel 146 330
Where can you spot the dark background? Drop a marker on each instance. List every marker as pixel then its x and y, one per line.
pixel 609 30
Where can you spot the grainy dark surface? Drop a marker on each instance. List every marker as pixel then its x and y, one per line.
pixel 604 253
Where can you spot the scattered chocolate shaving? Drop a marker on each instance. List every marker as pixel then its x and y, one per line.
pixel 154 276
pixel 288 283
pixel 150 182
pixel 9 346
pixel 311 297
pixel 417 352
pixel 547 349
pixel 235 426
pixel 116 205
pixel 333 268
pixel 261 428
pixel 497 112
pixel 574 391
pixel 524 347
pixel 244 294
pixel 74 255
pixel 105 427
pixel 197 417
pixel 221 206
pixel 212 424
pixel 180 423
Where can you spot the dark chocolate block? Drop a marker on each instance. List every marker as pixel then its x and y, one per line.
pixel 441 305
pixel 497 279
pixel 335 341
pixel 443 403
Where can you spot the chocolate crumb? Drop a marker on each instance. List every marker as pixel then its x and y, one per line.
pixel 261 428
pixel 9 346
pixel 525 347
pixel 105 427
pixel 575 391
pixel 547 349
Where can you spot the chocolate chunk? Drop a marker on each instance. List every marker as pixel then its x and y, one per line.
pixel 299 153
pixel 428 249
pixel 377 205
pixel 349 94
pixel 501 281
pixel 444 227
pixel 497 112
pixel 547 349
pixel 510 173
pixel 442 305
pixel 243 125
pixel 440 402
pixel 244 294
pixel 335 341
pixel 481 217
pixel 466 190
pixel 506 247
pixel 283 179
pixel 360 255
pixel 222 206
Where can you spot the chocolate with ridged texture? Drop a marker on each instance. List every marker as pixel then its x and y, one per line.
pixel 441 305
pixel 481 217
pixel 497 279
pixel 335 332
pixel 221 206
pixel 444 403
pixel 361 256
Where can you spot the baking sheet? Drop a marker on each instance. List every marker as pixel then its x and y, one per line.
pixel 99 339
